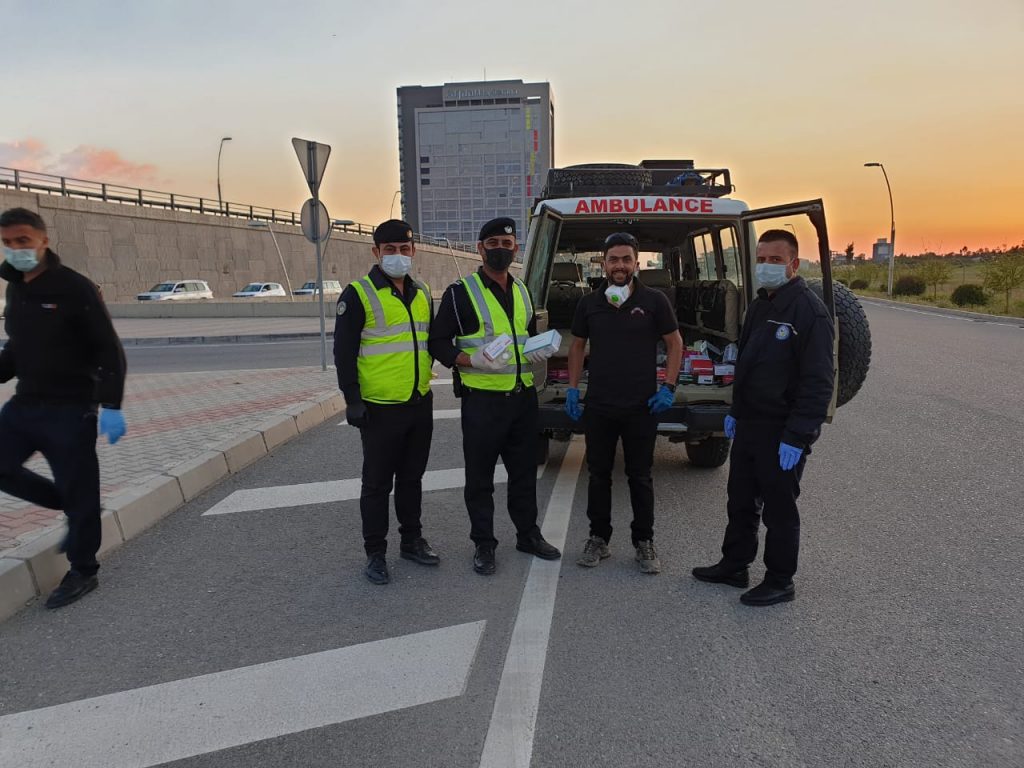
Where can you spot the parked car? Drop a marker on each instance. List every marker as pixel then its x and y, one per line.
pixel 177 290
pixel 260 289
pixel 309 288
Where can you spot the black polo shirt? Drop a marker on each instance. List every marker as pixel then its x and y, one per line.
pixel 623 344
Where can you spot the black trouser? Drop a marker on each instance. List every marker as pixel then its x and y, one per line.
pixel 496 424
pixel 66 437
pixel 638 430
pixel 396 446
pixel 758 487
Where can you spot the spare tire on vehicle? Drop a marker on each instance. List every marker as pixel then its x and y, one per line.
pixel 595 175
pixel 854 339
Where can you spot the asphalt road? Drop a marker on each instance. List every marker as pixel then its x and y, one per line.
pixel 905 645
pixel 182 358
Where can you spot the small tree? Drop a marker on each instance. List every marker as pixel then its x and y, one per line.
pixel 935 272
pixel 849 253
pixel 1004 273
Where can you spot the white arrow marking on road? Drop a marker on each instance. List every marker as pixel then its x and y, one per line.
pixel 509 742
pixel 171 721
pixel 330 491
pixel 453 413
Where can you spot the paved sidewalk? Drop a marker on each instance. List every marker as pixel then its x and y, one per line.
pixel 173 417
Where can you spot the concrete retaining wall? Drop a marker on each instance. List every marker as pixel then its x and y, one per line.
pixel 128 249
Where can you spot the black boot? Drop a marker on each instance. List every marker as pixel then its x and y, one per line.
pixel 72 587
pixel 535 545
pixel 419 551
pixel 377 568
pixel 720 573
pixel 769 592
pixel 483 559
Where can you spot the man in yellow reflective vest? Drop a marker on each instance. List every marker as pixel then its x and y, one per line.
pixel 380 351
pixel 499 402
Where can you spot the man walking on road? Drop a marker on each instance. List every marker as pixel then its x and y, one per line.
pixel 781 396
pixel 499 402
pixel 624 321
pixel 380 352
pixel 67 358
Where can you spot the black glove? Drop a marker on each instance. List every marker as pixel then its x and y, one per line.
pixel 357 415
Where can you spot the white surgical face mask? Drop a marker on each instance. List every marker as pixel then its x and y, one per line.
pixel 617 294
pixel 771 275
pixel 22 259
pixel 396 265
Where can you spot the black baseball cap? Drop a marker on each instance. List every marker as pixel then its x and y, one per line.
pixel 502 225
pixel 392 231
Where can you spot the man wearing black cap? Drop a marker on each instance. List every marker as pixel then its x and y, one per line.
pixel 499 402
pixel 380 352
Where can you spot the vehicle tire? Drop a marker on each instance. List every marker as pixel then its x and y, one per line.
pixel 543 448
pixel 590 175
pixel 710 453
pixel 854 340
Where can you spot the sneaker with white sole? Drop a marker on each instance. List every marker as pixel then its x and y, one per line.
pixel 594 551
pixel 647 557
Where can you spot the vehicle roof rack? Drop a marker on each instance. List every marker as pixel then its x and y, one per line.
pixel 668 178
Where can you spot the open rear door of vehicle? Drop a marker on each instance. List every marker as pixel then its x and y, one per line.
pixel 814 210
pixel 541 244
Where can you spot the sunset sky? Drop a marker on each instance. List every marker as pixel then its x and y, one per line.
pixel 793 96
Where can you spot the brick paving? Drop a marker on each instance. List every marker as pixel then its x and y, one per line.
pixel 171 418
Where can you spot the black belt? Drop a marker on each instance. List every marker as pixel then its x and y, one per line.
pixel 519 389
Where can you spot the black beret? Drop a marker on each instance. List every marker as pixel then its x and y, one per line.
pixel 392 231
pixel 503 225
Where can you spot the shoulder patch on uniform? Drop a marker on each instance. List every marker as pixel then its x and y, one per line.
pixel 342 306
pixel 782 332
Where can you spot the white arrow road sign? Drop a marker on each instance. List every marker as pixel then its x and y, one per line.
pixel 171 721
pixel 330 491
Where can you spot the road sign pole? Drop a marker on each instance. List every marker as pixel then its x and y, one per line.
pixel 319 264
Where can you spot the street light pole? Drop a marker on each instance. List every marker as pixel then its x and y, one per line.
pixel 287 280
pixel 391 214
pixel 220 199
pixel 892 225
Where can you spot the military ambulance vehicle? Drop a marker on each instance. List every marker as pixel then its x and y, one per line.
pixel 697 246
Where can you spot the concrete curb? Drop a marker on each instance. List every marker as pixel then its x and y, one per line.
pixel 33 569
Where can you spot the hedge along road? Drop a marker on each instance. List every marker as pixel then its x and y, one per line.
pixel 903 647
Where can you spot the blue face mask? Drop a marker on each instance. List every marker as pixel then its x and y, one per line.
pixel 771 276
pixel 22 259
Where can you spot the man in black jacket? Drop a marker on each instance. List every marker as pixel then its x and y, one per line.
pixel 67 358
pixel 781 396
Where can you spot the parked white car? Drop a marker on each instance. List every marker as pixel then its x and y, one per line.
pixel 177 290
pixel 254 290
pixel 309 289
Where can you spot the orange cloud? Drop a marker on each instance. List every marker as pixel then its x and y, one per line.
pixel 83 162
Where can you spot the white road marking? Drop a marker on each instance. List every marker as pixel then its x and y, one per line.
pixel 437 382
pixel 195 716
pixel 452 413
pixel 330 491
pixel 509 742
pixel 980 319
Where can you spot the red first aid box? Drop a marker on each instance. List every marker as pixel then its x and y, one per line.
pixel 702 366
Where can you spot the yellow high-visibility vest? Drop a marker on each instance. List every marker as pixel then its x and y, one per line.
pixel 493 321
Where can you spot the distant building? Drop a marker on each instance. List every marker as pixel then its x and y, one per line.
pixel 470 152
pixel 880 250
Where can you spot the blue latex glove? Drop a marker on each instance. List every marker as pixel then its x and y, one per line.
pixel 661 400
pixel 789 456
pixel 572 404
pixel 112 424
pixel 730 427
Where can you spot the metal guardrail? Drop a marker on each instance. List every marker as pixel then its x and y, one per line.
pixel 45 183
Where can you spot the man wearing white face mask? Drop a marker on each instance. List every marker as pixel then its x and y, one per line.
pixel 380 351
pixel 624 321
pixel 781 396
pixel 66 356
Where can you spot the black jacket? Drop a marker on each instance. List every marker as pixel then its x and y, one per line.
pixel 61 344
pixel 784 374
